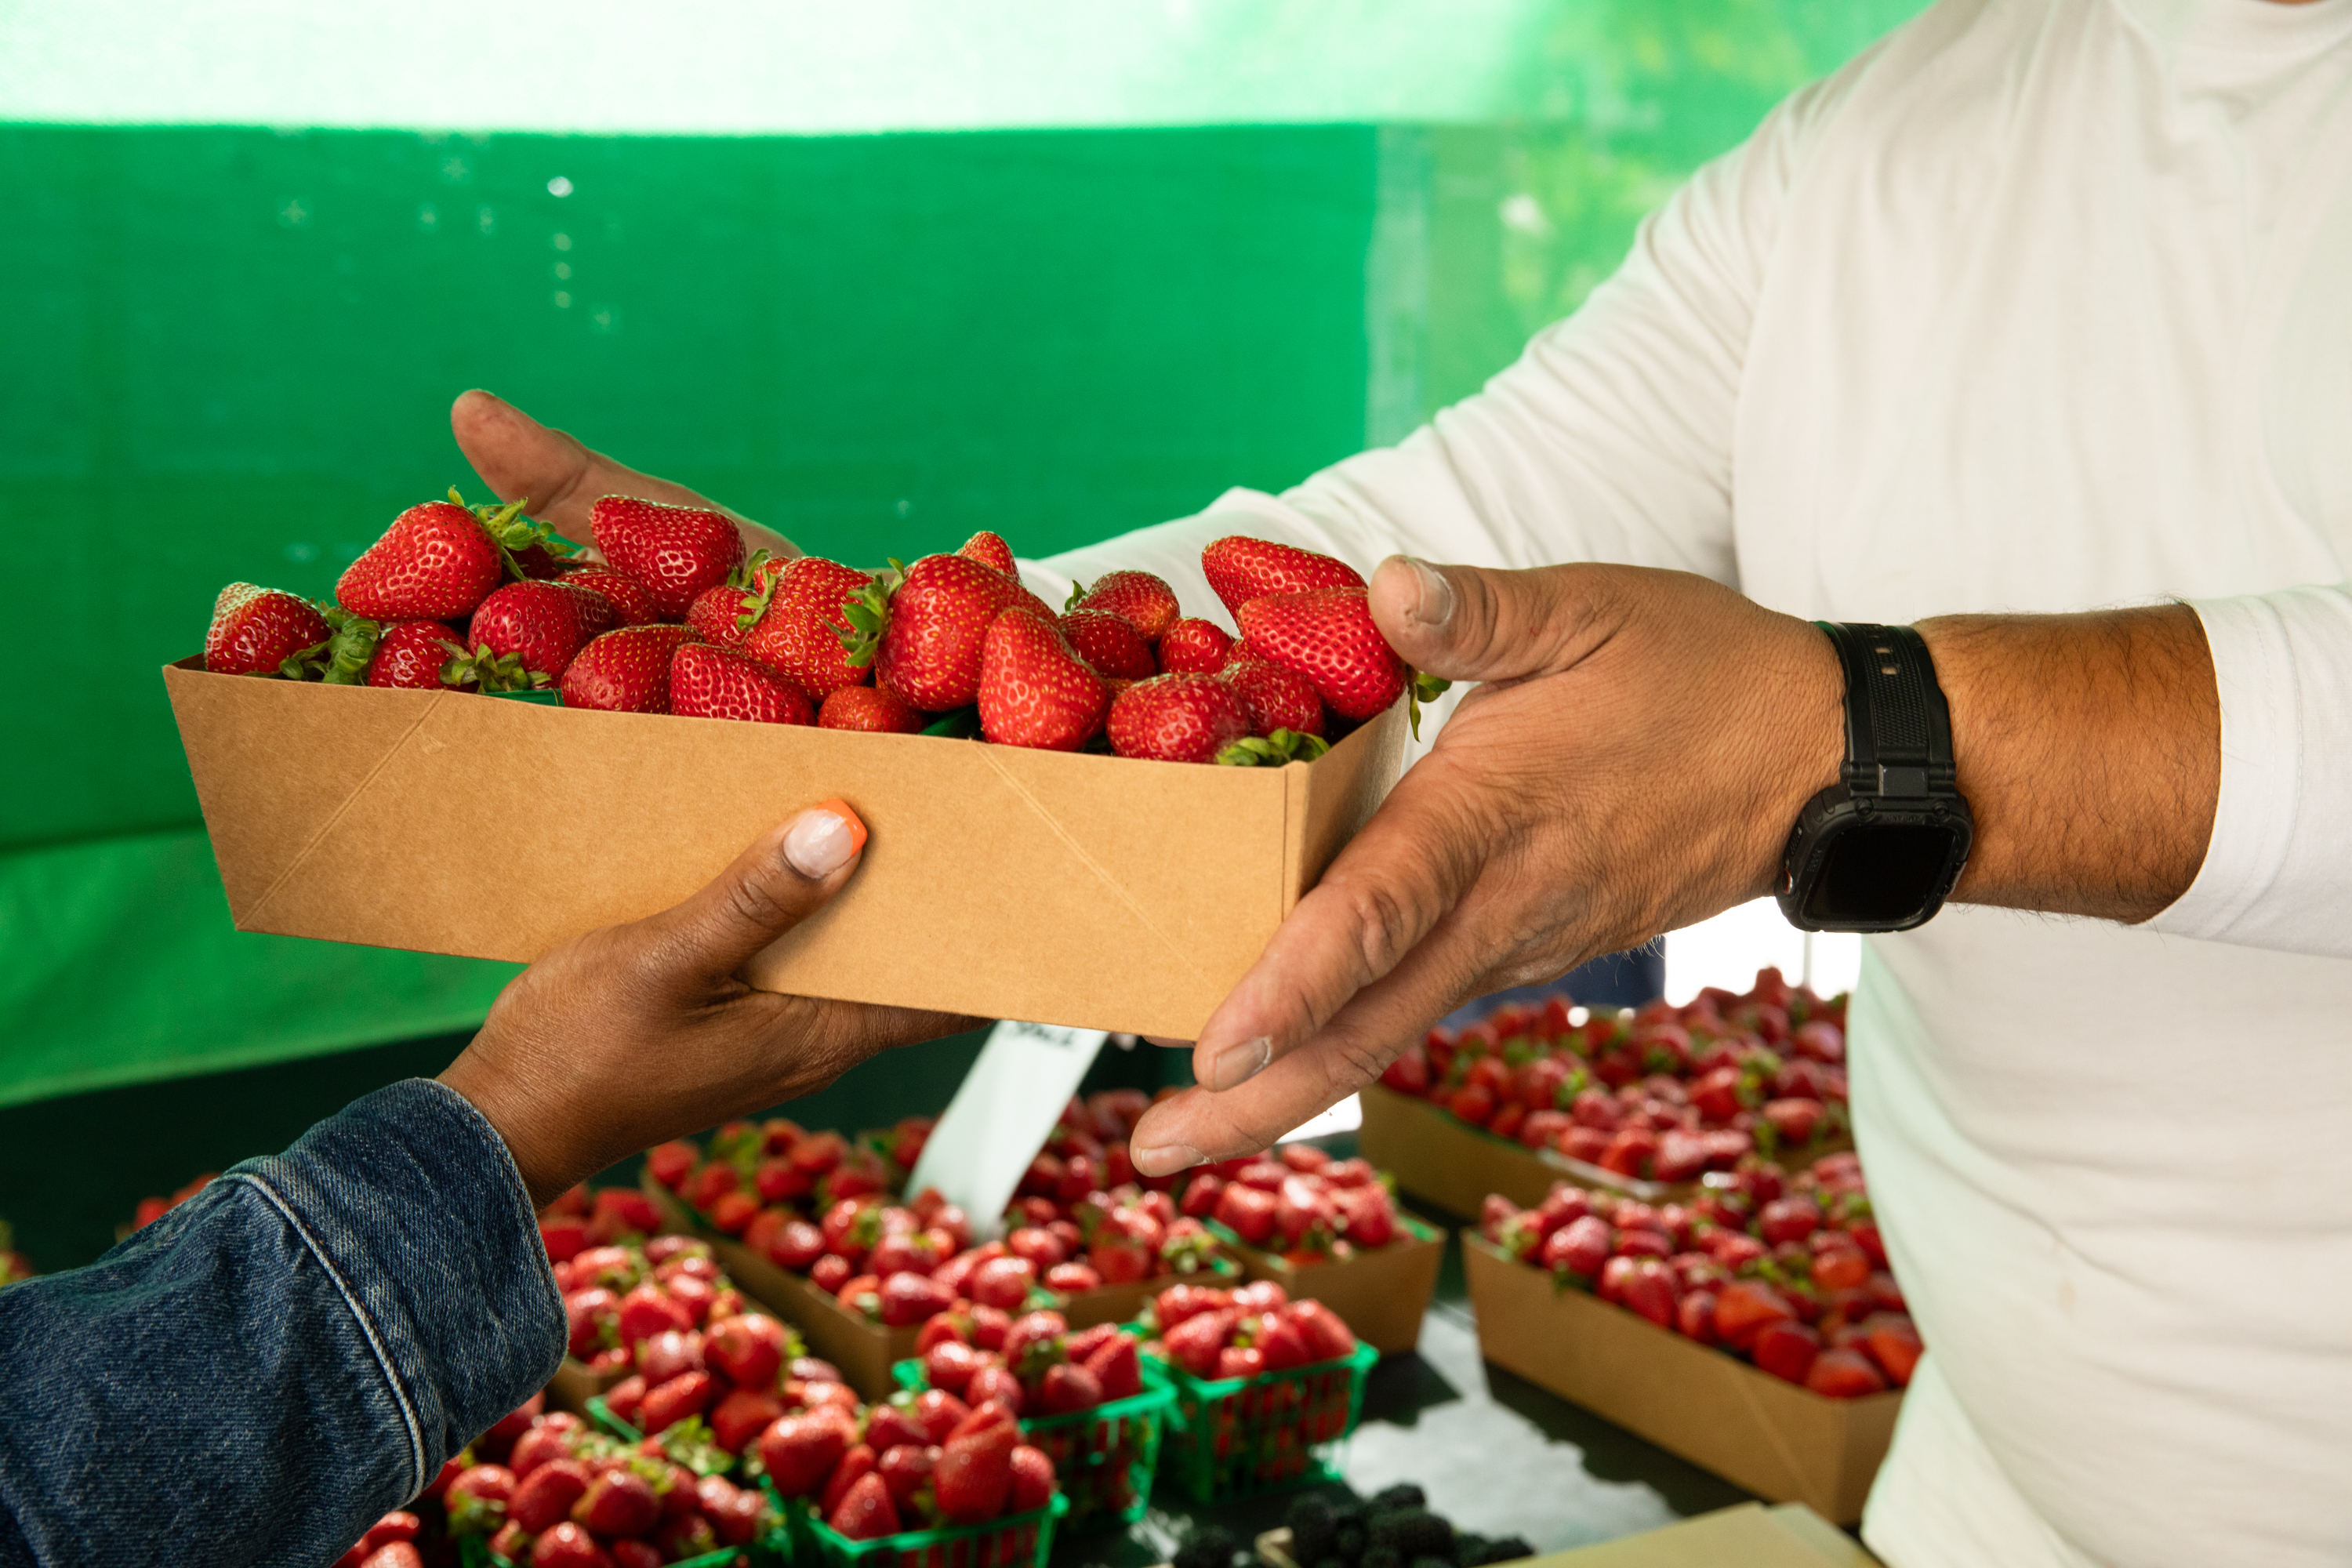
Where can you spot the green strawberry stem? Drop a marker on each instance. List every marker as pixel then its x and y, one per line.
pixel 1422 688
pixel 492 671
pixel 1273 751
pixel 868 614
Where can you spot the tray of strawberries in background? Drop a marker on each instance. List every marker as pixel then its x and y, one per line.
pixel 1083 1399
pixel 1643 1103
pixel 1755 1330
pixel 1326 1230
pixel 929 1482
pixel 807 1221
pixel 1264 1386
pixel 14 1265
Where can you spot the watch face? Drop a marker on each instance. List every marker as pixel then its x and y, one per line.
pixel 1878 875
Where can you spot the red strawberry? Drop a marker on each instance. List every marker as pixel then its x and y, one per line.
pixel 668 1403
pixel 1033 1480
pixel 1194 646
pixel 674 552
pixel 1745 1309
pixel 477 1499
pixel 748 1350
pixel 1328 636
pixel 1247 1211
pixel 625 671
pixel 1278 699
pixel 799 1451
pixel 1138 598
pixel 626 1398
pixel 1241 569
pixel 909 1298
pixel 546 1494
pixel 569 1546
pixel 1034 691
pixel 435 563
pixel 996 1384
pixel 618 1502
pixel 628 597
pixel 907 1470
pixel 1893 1342
pixel 1066 1389
pixel 1845 1374
pixel 738 1419
pixel 800 629
pixel 1194 1343
pixel 708 682
pixel 989 550
pixel 1651 1292
pixel 1240 1361
pixel 867 1512
pixel 254 631
pixel 1786 1350
pixel 1178 718
pixel 539 1446
pixel 871 709
pixel 636 1554
pixel 974 1473
pixel 512 1543
pixel 859 1462
pixel 1109 643
pixel 528 633
pixel 923 639
pixel 416 656
pixel 1326 1333
pixel 716 615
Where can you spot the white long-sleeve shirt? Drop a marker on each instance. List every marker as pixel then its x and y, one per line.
pixel 2040 305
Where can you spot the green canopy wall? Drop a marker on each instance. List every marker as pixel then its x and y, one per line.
pixel 878 288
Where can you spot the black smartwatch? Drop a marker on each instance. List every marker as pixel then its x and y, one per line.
pixel 1879 849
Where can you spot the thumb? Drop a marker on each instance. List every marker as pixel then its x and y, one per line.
pixel 1470 623
pixel 771 888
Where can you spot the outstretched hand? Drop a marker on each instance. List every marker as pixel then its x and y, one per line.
pixel 1640 744
pixel 520 458
pixel 634 1034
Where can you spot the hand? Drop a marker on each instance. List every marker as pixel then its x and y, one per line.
pixel 519 457
pixel 1641 744
pixel 638 1033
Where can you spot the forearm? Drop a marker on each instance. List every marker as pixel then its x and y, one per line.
pixel 286 1356
pixel 2089 747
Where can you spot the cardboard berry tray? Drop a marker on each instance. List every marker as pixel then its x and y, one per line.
pixel 1018 1541
pixel 1240 1437
pixel 1381 1294
pixel 1057 888
pixel 1439 1157
pixel 1784 1443
pixel 1104 1458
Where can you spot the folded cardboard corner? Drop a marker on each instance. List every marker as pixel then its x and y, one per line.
pixel 1057 888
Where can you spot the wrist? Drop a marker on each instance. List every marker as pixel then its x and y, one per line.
pixel 534 1138
pixel 1807 722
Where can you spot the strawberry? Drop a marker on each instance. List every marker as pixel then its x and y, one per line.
pixel 974 1473
pixel 394 1555
pixel 1240 1361
pixel 1195 1342
pixel 1845 1374
pixel 1066 1389
pixel 626 670
pixel 618 1502
pixel 1278 699
pixel 418 656
pixel 996 1384
pixel 859 1462
pixel 909 1298
pixel 1034 691
pixel 527 634
pixel 867 1512
pixel 801 623
pixel 1745 1309
pixel 1033 1480
pixel 257 631
pixel 1138 598
pixel 748 1350
pixel 1328 636
pixel 477 1499
pixel 1109 643
pixel 1194 646
pixel 799 1451
pixel 674 552
pixel 1786 1350
pixel 1178 718
pixel 989 550
pixel 630 602
pixel 733 1511
pixel 1894 1343
pixel 636 1554
pixel 436 562
pixel 906 1470
pixel 717 615
pixel 708 682
pixel 569 1546
pixel 1241 569
pixel 671 1402
pixel 871 709
pixel 546 1494
pixel 1651 1292
pixel 738 1420
pixel 923 639
pixel 1326 1333
pixel 1248 1211
pixel 626 1398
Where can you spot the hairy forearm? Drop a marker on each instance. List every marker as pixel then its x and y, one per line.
pixel 2090 749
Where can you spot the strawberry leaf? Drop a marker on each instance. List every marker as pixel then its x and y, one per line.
pixel 1422 688
pixel 1077 594
pixel 1273 751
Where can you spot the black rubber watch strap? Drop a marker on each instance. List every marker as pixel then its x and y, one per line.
pixel 1898 729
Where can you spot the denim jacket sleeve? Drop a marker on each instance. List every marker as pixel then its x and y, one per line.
pixel 256 1377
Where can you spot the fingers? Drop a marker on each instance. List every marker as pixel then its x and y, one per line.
pixel 1466 623
pixel 519 459
pixel 771 888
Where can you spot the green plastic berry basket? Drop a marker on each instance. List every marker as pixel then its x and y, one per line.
pixel 473 1552
pixel 1019 1540
pixel 1241 1437
pixel 1104 1459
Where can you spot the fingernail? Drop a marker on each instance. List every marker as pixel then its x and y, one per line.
pixel 1236 1065
pixel 1166 1160
pixel 1435 605
pixel 824 840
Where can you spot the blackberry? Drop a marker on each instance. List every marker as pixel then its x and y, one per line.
pixel 1404 1494
pixel 1313 1530
pixel 1382 1557
pixel 1348 1542
pixel 1411 1532
pixel 1466 1549
pixel 1209 1548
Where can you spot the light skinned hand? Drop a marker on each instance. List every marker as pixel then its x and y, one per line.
pixel 638 1033
pixel 519 459
pixel 1639 746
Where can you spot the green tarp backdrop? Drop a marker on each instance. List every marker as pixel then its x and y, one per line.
pixel 1063 277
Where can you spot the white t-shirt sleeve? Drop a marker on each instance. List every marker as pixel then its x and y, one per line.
pixel 1610 439
pixel 2278 871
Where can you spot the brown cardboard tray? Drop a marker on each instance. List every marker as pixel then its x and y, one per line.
pixel 1780 1441
pixel 1059 887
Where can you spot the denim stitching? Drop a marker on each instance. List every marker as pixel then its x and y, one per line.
pixel 399 1394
